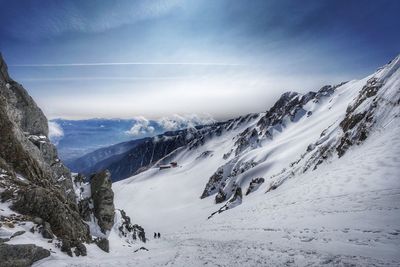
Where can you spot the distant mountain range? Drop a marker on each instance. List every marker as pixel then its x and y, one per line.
pixel 75 138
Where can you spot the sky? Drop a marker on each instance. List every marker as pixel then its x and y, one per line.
pixel 123 59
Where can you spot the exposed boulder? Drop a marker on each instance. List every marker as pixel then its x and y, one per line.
pixel 66 247
pixel 21 255
pixel 46 231
pixel 141 248
pixel 103 200
pixel 80 250
pixel 84 208
pixel 103 244
pixel 54 208
pixel 220 197
pixel 130 231
pixel 224 181
pixel 214 183
pixel 234 201
pixel 18 233
pixel 254 185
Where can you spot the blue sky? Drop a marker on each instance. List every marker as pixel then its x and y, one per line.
pixel 82 59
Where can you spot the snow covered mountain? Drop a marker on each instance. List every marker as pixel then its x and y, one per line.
pixel 312 181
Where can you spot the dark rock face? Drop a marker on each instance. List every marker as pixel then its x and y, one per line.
pixel 103 244
pixel 21 255
pixel 24 144
pixel 54 208
pixel 219 181
pixel 103 200
pixel 220 197
pixel 47 191
pixel 234 201
pixel 213 184
pixel 100 204
pixel 80 250
pixel 84 209
pixel 46 231
pixel 131 231
pixel 355 125
pixel 66 247
pixel 254 185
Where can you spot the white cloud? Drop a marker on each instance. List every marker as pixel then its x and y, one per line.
pixel 56 133
pixel 141 127
pixel 175 122
pixel 97 64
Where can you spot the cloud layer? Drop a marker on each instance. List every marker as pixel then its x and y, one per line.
pixel 145 127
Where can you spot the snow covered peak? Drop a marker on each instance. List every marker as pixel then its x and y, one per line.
pixel 296 135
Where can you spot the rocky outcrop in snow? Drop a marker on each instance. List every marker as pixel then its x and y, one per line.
pixel 378 100
pixel 103 200
pixel 37 182
pixel 21 255
pixel 374 107
pixel 254 185
pixel 231 203
pixel 288 109
pixel 96 207
pixel 130 232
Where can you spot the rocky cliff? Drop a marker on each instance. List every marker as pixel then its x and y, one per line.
pixel 36 184
pixel 46 189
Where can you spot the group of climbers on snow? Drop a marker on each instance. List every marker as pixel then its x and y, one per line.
pixel 157 235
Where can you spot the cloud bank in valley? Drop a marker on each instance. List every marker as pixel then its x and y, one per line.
pixel 146 127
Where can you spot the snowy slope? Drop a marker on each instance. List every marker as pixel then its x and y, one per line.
pixel 331 194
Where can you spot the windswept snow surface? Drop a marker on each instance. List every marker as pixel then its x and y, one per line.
pixel 346 212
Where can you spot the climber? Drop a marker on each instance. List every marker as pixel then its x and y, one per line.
pixel 155 235
pixel 158 235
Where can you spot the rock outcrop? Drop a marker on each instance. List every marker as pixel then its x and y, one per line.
pixel 96 207
pixel 130 231
pixel 255 184
pixel 103 200
pixel 36 181
pixel 21 255
pixel 54 208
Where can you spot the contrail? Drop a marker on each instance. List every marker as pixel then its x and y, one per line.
pixel 107 78
pixel 128 63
